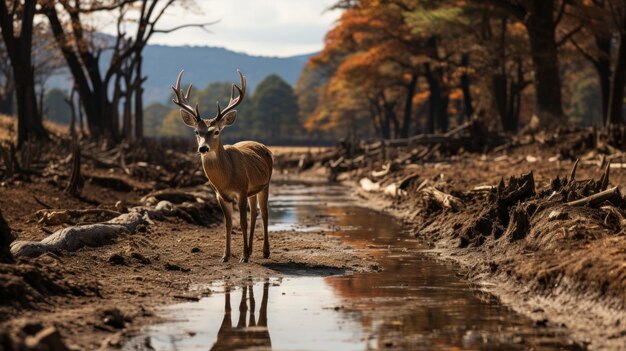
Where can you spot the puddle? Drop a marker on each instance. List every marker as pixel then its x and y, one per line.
pixel 415 303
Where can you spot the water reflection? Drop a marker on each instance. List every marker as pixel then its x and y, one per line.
pixel 416 303
pixel 253 334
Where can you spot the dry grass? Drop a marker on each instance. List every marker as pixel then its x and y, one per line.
pixel 8 128
pixel 281 150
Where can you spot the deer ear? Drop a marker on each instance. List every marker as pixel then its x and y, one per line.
pixel 229 118
pixel 188 119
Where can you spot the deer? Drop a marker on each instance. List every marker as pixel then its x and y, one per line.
pixel 238 173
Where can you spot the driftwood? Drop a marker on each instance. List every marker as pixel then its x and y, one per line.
pixel 596 199
pixel 368 185
pixel 202 211
pixel 60 216
pixel 76 237
pixel 442 199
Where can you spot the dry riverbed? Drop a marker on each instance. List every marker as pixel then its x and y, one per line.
pixel 96 297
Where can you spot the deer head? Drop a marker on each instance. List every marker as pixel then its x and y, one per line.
pixel 208 131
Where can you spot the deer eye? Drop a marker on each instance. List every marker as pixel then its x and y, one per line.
pixel 217 132
pixel 197 132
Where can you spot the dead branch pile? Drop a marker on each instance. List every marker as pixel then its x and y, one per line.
pixel 125 167
pixel 379 158
pixel 199 207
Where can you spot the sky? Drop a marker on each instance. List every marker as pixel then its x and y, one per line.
pixel 257 27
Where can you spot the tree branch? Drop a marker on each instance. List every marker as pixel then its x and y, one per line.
pixel 196 25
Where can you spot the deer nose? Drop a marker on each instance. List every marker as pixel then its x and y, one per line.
pixel 202 149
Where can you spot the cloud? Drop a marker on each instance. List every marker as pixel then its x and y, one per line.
pixel 258 27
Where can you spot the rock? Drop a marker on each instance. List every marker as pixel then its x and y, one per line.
pixel 141 258
pixel 117 259
pixel 47 339
pixel 113 318
pixel 32 328
pixel 195 249
pixel 175 267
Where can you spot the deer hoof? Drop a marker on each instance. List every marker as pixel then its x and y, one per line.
pixel 266 254
pixel 225 259
pixel 243 260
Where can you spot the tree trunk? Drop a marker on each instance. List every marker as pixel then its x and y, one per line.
pixel 541 28
pixel 138 99
pixel 443 117
pixel 616 99
pixel 603 67
pixel 465 87
pixel 499 83
pixel 434 98
pixel 92 88
pixel 438 100
pixel 408 107
pixel 18 46
pixel 6 103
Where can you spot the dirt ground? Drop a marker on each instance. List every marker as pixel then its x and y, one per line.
pixel 95 297
pixel 514 228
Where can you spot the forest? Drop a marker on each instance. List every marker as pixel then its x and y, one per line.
pixel 443 175
pixel 445 62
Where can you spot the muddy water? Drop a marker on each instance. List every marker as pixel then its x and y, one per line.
pixel 415 303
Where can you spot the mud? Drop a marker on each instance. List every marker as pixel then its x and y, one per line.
pixel 412 302
pixel 96 296
pixel 519 231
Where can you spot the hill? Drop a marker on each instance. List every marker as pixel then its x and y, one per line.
pixel 203 65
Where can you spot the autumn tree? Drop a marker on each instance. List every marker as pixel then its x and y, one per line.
pixel 361 42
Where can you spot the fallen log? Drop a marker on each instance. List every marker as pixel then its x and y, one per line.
pixel 99 234
pixel 595 199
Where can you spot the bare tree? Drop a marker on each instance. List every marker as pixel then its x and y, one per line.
pixel 19 48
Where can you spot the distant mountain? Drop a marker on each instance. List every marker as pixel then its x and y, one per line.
pixel 203 65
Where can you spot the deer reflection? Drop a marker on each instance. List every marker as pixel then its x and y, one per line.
pixel 253 335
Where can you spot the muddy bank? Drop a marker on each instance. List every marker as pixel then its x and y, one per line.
pixel 553 249
pixel 96 296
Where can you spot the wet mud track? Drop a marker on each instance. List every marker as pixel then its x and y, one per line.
pixel 412 302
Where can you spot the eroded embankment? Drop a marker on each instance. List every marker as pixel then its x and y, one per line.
pixel 556 253
pixel 544 235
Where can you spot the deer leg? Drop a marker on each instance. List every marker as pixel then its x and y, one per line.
pixel 243 307
pixel 263 196
pixel 227 209
pixel 253 212
pixel 263 311
pixel 243 222
pixel 252 319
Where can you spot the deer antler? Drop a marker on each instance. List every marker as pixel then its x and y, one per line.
pixel 233 101
pixel 182 100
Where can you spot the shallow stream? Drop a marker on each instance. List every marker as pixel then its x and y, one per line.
pixel 415 303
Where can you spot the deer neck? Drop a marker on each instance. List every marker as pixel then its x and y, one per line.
pixel 217 166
